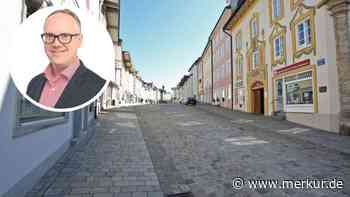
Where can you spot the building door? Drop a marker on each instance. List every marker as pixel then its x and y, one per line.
pixel 279 95
pixel 258 98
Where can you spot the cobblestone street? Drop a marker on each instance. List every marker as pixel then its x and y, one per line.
pixel 164 150
pixel 205 147
pixel 114 163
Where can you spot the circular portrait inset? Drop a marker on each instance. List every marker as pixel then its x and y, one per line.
pixel 62 59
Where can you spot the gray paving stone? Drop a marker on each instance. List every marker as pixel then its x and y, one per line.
pixel 146 188
pixel 128 188
pixel 207 156
pixel 154 194
pixel 139 194
pixel 124 194
pixel 103 195
pixel 108 163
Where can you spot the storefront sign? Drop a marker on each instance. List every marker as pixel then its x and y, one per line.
pixel 292 67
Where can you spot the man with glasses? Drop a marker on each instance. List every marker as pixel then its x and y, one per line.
pixel 66 82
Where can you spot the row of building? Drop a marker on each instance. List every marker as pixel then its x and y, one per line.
pixel 32 140
pixel 285 58
pixel 128 87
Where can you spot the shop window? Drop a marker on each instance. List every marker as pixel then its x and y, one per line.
pixel 299 92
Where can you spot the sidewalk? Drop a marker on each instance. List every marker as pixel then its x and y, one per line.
pixel 282 127
pixel 113 163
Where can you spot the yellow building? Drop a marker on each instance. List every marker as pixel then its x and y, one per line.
pixel 284 55
pixel 207 66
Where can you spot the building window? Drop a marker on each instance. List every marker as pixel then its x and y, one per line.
pixel 28 112
pixel 277 9
pixel 278 46
pixel 254 27
pixel 299 92
pixel 256 57
pixel 239 41
pixel 229 91
pixel 236 99
pixel 30 118
pixel 240 64
pixel 304 34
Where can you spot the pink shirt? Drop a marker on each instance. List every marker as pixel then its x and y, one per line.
pixel 55 84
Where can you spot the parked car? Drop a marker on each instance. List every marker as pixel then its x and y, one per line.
pixel 163 102
pixel 191 101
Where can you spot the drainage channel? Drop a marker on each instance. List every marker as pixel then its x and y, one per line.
pixel 187 194
pixel 180 190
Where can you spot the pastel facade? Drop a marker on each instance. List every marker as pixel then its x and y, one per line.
pixel 194 79
pixel 207 73
pixel 194 73
pixel 222 62
pixel 288 57
pixel 200 83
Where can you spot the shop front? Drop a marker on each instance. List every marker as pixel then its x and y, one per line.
pixel 295 88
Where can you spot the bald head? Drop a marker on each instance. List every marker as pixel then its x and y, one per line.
pixel 67 14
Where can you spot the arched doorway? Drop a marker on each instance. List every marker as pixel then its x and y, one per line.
pixel 257 97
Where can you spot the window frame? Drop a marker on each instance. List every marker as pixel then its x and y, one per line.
pixel 278 53
pixel 239 42
pixel 303 14
pixel 273 18
pixel 240 64
pixel 22 129
pixel 256 64
pixel 278 31
pixel 254 20
pixel 306 31
pixel 306 108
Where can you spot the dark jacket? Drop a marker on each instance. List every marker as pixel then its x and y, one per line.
pixel 82 87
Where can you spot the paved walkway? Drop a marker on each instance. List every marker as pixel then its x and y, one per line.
pixel 114 163
pixel 268 124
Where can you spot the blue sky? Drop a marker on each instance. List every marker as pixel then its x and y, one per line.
pixel 165 37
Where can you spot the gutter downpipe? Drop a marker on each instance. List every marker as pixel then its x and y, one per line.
pixel 212 71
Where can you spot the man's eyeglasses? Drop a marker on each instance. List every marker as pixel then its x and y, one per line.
pixel 64 38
